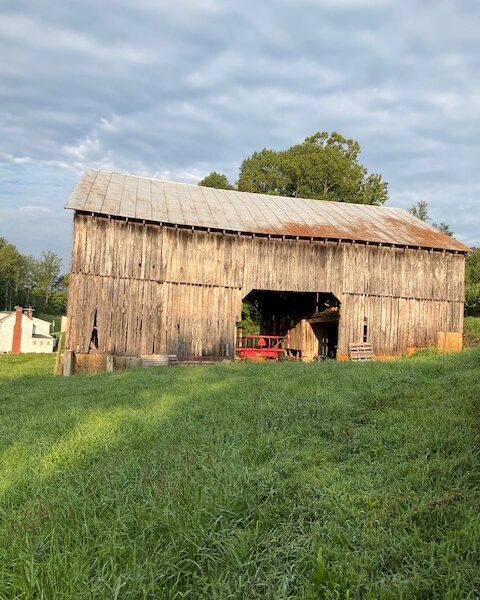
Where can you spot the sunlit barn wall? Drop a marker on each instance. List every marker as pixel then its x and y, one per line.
pixel 159 289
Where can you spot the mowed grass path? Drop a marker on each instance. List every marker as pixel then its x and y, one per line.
pixel 247 481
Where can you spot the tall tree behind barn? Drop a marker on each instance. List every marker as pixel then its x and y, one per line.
pixel 162 268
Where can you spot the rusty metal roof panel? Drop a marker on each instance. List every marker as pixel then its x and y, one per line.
pixel 130 196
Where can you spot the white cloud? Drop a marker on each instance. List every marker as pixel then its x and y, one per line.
pixel 176 89
pixel 27 211
pixel 348 4
pixel 36 33
pixel 18 160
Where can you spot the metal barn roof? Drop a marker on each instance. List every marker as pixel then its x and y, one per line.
pixel 154 200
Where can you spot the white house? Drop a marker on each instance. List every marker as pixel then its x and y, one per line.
pixel 20 331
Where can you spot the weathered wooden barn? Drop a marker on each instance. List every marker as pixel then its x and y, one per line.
pixel 162 268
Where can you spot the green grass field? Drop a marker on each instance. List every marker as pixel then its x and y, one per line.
pixel 251 481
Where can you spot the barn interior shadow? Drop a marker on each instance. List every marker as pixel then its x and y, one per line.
pixel 281 313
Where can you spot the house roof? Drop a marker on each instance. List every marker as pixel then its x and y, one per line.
pixel 153 200
pixel 5 314
pixel 42 321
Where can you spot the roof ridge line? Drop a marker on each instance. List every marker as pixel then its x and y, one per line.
pixel 150 178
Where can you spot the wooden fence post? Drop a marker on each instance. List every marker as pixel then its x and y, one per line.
pixel 68 362
pixel 60 349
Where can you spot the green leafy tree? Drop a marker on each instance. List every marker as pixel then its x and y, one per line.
pixel 13 275
pixel 265 172
pixel 472 283
pixel 58 303
pixel 216 180
pixel 29 280
pixel 251 318
pixel 26 280
pixel 472 267
pixel 324 167
pixel 421 211
pixel 46 274
pixel 472 300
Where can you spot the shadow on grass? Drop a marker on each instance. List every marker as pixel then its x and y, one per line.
pixel 258 481
pixel 82 417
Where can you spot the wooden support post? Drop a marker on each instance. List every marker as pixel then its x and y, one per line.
pixel 109 363
pixel 68 362
pixel 60 349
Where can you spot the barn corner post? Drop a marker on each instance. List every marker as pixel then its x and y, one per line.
pixel 66 354
pixel 342 346
pixel 162 269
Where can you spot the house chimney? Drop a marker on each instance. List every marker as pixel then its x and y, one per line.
pixel 29 312
pixel 17 331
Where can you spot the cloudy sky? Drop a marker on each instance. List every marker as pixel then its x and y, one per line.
pixel 175 89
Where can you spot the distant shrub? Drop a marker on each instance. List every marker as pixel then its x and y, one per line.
pixel 250 322
pixel 471 332
pixel 472 267
pixel 472 300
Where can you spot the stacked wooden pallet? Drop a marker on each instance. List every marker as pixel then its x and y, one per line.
pixel 361 351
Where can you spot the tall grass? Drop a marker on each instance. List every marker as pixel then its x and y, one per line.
pixel 471 332
pixel 249 481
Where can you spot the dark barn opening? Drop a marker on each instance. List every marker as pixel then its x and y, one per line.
pixel 309 319
pixel 326 332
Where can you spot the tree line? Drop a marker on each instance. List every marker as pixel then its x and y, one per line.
pixel 29 281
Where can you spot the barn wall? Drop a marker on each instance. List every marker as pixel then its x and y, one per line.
pixel 160 289
pixel 303 337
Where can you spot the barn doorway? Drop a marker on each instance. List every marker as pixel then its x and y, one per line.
pixel 309 320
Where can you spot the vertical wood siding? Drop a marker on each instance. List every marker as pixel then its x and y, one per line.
pixel 164 290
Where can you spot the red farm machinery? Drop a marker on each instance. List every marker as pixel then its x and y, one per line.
pixel 262 346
